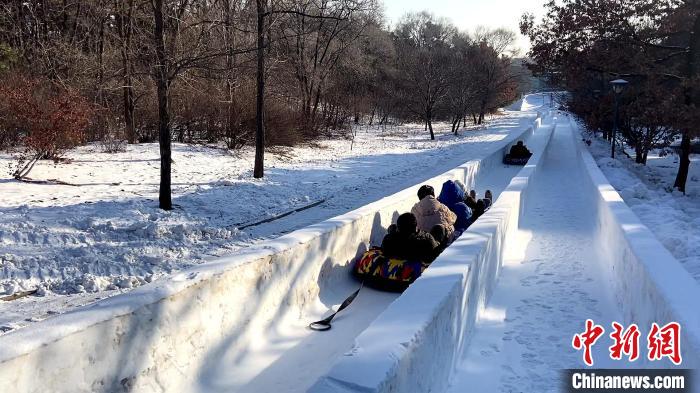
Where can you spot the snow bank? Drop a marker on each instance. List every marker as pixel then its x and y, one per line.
pixel 672 216
pixel 165 333
pixel 414 344
pixel 648 283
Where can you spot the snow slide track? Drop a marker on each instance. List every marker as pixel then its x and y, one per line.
pixel 649 284
pixel 169 335
pixel 414 345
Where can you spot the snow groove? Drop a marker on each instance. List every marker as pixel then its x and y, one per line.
pixel 435 315
pixel 522 339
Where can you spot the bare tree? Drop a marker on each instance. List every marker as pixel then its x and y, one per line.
pixel 423 47
pixel 258 170
pixel 124 10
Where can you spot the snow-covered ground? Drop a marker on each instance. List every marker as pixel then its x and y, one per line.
pixel 104 234
pixel 673 217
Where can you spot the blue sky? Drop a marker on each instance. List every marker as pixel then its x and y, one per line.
pixel 467 14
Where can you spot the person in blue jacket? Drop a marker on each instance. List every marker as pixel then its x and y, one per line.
pixel 452 196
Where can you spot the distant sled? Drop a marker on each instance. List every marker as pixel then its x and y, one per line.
pixel 508 160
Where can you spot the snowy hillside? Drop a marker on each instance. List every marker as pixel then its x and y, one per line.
pixel 104 233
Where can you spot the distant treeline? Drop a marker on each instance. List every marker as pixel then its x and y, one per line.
pixel 238 72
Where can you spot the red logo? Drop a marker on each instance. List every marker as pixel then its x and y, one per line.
pixel 662 342
pixel 665 342
pixel 625 343
pixel 586 340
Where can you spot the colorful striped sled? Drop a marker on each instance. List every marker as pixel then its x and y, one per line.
pixel 387 274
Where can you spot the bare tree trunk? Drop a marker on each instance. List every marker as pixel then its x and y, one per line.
pixel 684 165
pixel 258 170
pixel 99 96
pixel 317 99
pixel 384 119
pixel 161 77
pixel 22 172
pixel 129 120
pixel 692 98
pixel 638 154
pixel 429 120
pixel 233 137
pixel 125 29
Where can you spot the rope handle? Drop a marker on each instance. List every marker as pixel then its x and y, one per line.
pixel 325 324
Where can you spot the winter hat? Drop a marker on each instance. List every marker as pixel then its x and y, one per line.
pixel 451 193
pixel 461 185
pixel 425 190
pixel 407 223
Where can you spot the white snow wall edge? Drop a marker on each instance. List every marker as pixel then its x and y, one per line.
pixel 415 343
pixel 649 284
pixel 161 334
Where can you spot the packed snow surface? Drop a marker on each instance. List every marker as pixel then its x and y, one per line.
pixel 550 282
pixel 103 233
pixel 648 190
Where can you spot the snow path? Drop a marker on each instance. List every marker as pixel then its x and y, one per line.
pixel 289 357
pixel 523 337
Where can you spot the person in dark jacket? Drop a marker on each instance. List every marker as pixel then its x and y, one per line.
pixel 470 200
pixel 452 196
pixel 488 199
pixel 405 241
pixel 479 209
pixel 519 151
pixel 441 236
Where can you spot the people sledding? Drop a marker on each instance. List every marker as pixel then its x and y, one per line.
pixel 452 196
pixel 430 212
pixel 518 155
pixel 405 240
pixel 419 237
pixel 415 240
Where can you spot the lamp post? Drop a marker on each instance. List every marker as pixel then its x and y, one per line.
pixel 618 85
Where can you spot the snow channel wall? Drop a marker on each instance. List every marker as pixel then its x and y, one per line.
pixel 648 283
pixel 161 335
pixel 414 345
